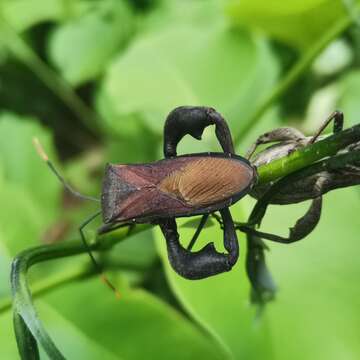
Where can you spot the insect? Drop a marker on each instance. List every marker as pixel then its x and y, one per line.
pixel 198 184
pixel 179 186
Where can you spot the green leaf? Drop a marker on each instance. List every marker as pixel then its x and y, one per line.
pixel 214 66
pixel 318 281
pixel 317 277
pixel 168 12
pixel 26 342
pixel 29 190
pixel 221 303
pixel 193 223
pixel 21 164
pixel 82 47
pixel 22 14
pixel 131 327
pixel 73 343
pixel 7 339
pixel 348 89
pixel 296 23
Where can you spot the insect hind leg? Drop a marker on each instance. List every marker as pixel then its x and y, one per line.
pixel 337 117
pixel 193 120
pixel 205 262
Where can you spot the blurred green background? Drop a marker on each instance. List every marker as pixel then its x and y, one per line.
pixel 94 80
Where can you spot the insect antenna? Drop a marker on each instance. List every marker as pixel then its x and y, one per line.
pixel 40 150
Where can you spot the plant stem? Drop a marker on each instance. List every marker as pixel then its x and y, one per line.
pixel 308 155
pixel 80 272
pixel 22 299
pixel 300 67
pixel 330 164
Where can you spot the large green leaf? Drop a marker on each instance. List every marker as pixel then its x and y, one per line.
pixel 75 343
pixel 82 47
pixel 29 194
pixel 220 303
pixel 29 191
pixel 166 13
pixel 318 298
pixel 135 326
pixel 187 64
pixel 348 102
pixel 317 310
pixel 7 338
pixel 23 14
pixel 297 23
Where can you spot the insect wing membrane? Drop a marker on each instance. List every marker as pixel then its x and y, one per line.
pixel 208 180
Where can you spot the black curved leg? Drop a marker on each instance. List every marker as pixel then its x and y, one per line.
pixel 193 120
pixel 303 226
pixel 207 261
pixel 263 288
pixel 202 223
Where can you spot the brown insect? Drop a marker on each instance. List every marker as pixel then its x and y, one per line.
pixel 181 186
pixel 178 186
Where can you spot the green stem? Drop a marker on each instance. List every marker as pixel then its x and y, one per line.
pixel 22 299
pixel 42 287
pixel 78 273
pixel 308 155
pixel 300 67
pixel 329 164
pixel 26 342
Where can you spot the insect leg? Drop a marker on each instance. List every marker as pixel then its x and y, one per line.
pixel 231 243
pixel 263 287
pixel 337 117
pixel 280 134
pixel 198 231
pixel 205 262
pixel 193 120
pixel 303 226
